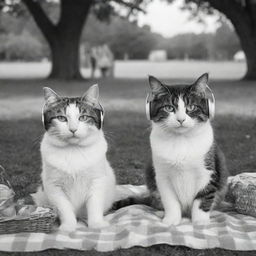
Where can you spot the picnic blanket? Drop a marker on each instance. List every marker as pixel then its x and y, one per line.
pixel 139 225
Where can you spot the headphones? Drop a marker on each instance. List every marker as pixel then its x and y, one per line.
pixel 210 104
pixel 102 113
pixel 101 116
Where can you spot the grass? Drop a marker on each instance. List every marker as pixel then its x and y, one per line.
pixel 127 133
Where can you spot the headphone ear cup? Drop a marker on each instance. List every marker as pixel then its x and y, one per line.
pixel 42 116
pixel 101 118
pixel 211 104
pixel 148 108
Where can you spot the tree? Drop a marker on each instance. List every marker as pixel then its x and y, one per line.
pixel 123 37
pixel 189 45
pixel 20 47
pixel 63 36
pixel 225 42
pixel 242 14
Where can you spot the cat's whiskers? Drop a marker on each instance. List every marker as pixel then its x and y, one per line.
pixel 37 140
pixel 148 129
pixel 109 136
pixel 164 127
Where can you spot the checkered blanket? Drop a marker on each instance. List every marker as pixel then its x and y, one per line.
pixel 139 225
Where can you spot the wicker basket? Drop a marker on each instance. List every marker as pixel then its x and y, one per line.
pixel 35 219
pixel 38 223
pixel 242 191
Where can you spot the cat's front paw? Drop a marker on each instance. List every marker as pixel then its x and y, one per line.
pixel 66 227
pixel 98 224
pixel 172 220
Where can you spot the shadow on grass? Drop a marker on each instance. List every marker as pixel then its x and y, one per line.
pixel 155 250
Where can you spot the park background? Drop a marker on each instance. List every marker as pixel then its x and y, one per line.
pixel 41 44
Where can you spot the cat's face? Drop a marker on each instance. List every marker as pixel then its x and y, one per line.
pixel 72 120
pixel 179 108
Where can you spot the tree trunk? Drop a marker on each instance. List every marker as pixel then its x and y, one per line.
pixel 244 25
pixel 249 47
pixel 65 43
pixel 64 37
pixel 65 56
pixel 65 59
pixel 243 17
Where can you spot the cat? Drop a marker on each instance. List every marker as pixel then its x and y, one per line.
pixel 77 178
pixel 187 174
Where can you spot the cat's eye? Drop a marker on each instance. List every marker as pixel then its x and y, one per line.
pixel 61 118
pixel 83 118
pixel 192 107
pixel 169 108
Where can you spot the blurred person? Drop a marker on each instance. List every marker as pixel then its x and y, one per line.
pixel 105 61
pixel 84 52
pixel 93 60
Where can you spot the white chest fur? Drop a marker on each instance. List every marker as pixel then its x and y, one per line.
pixel 79 171
pixel 179 158
pixel 73 159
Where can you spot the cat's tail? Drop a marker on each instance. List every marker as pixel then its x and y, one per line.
pixel 131 194
pixel 131 201
pixel 153 201
pixel 150 199
pixel 224 206
pixel 223 201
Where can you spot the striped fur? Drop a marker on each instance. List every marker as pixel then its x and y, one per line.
pixel 77 178
pixel 187 173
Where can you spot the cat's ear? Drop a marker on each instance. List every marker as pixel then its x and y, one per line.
pixel 92 94
pixel 201 83
pixel 155 85
pixel 50 95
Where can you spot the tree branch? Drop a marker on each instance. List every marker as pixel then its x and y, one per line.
pixel 239 17
pixel 41 19
pixel 233 10
pixel 132 6
pixel 250 7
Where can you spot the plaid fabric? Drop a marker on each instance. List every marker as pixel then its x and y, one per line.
pixel 139 225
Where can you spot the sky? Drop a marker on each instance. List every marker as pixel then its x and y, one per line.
pixel 169 20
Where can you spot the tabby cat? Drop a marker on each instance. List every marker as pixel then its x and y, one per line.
pixel 187 173
pixel 77 177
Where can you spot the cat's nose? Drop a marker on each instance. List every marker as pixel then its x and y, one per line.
pixel 73 130
pixel 181 120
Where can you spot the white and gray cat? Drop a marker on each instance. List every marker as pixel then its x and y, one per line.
pixel 187 173
pixel 77 177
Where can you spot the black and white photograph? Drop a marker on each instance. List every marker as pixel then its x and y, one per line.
pixel 128 127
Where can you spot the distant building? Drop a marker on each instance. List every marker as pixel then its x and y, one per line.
pixel 158 55
pixel 239 56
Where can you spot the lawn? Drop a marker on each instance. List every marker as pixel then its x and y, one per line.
pixel 127 132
